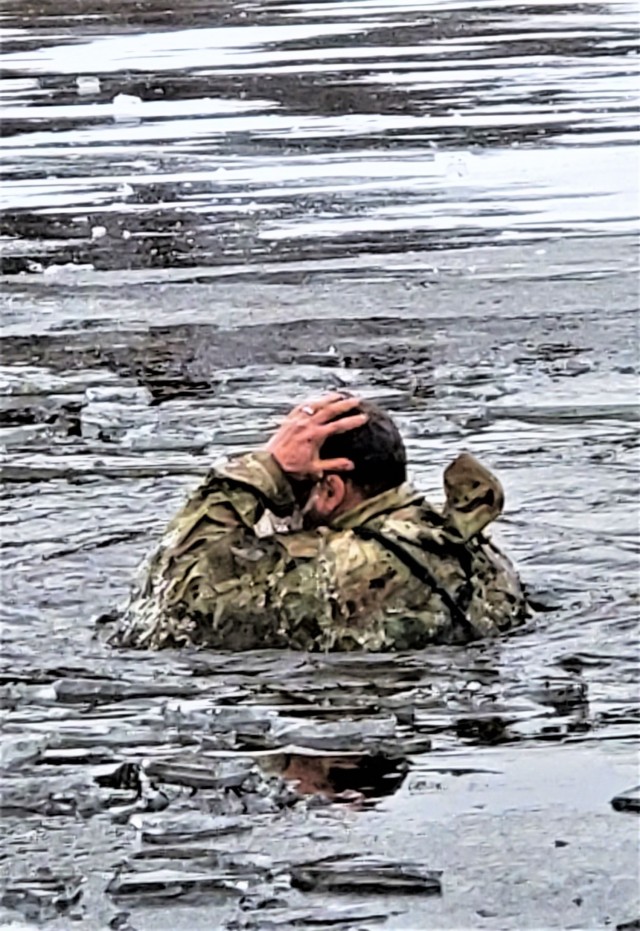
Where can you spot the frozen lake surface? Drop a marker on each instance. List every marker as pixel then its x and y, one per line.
pixel 209 211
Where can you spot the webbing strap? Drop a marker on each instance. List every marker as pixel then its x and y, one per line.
pixel 399 547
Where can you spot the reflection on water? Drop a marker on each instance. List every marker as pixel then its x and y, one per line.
pixel 350 778
pixel 209 211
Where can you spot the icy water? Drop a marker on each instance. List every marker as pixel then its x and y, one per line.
pixel 211 210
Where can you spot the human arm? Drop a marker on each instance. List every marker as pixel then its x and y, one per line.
pixel 218 557
pixel 274 478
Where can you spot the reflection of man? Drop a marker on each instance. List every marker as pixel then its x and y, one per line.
pixel 317 542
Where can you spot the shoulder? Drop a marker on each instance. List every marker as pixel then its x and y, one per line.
pixel 413 524
pixel 257 472
pixel 359 559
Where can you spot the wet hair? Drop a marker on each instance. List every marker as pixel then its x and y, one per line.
pixel 376 450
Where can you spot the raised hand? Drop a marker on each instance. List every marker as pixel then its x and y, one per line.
pixel 297 442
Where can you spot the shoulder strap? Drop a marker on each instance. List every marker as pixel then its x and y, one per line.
pixel 402 548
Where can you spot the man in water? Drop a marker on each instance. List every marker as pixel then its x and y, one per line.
pixel 317 542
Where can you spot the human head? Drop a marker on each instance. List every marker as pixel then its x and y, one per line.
pixel 380 463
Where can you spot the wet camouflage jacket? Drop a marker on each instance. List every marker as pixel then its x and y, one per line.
pixel 389 574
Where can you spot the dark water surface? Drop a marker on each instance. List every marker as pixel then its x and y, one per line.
pixel 209 211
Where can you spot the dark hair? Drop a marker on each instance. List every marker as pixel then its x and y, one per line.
pixel 376 450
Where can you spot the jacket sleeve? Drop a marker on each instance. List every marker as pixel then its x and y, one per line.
pixel 236 493
pixel 212 564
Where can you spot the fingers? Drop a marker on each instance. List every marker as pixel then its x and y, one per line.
pixel 334 465
pixel 316 404
pixel 334 406
pixel 344 425
pixel 296 444
pixel 324 408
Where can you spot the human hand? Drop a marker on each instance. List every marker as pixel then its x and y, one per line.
pixel 296 444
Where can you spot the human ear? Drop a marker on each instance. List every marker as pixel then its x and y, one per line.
pixel 334 489
pixel 329 494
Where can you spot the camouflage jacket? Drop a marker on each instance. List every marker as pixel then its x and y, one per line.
pixel 390 574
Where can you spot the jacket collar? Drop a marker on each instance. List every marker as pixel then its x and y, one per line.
pixel 391 500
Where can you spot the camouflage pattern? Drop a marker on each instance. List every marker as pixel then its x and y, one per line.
pixel 234 572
